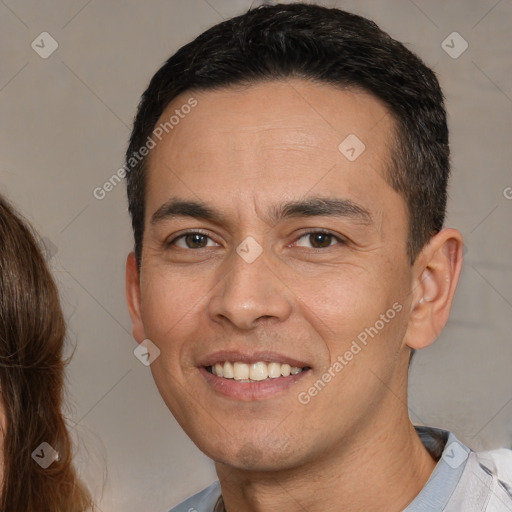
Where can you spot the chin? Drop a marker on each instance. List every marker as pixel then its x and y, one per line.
pixel 253 456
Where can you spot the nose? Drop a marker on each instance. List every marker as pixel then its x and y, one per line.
pixel 249 294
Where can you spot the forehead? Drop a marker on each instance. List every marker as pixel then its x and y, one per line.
pixel 272 139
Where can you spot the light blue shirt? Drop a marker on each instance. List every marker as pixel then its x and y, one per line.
pixel 462 481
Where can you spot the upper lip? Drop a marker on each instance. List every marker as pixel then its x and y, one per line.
pixel 255 357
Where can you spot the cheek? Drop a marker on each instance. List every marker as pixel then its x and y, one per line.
pixel 170 305
pixel 348 303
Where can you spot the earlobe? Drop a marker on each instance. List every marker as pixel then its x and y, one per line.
pixel 438 270
pixel 133 297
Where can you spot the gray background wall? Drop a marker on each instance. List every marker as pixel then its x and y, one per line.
pixel 64 124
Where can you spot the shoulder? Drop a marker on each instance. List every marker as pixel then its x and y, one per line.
pixel 203 501
pixel 486 484
pixel 464 479
pixel 499 463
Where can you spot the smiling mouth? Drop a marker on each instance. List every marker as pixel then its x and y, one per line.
pixel 255 372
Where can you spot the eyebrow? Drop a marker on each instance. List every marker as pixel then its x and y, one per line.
pixel 310 207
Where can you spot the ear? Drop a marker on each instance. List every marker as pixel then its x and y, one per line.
pixel 436 274
pixel 133 297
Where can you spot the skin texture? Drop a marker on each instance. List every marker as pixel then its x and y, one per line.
pixel 243 152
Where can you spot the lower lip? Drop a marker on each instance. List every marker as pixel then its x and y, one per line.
pixel 258 390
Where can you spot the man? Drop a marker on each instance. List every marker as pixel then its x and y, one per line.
pixel 287 177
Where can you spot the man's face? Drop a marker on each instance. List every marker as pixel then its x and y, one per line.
pixel 275 275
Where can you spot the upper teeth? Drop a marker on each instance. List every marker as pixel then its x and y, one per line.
pixel 255 371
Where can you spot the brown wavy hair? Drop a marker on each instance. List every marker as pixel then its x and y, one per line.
pixel 32 333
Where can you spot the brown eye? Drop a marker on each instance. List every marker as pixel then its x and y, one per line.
pixel 318 240
pixel 196 240
pixel 192 240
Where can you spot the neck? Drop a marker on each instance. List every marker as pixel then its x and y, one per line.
pixel 384 467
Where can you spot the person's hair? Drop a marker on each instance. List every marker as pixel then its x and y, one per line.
pixel 322 45
pixel 32 334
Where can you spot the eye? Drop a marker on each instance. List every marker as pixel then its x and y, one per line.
pixel 192 240
pixel 318 239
